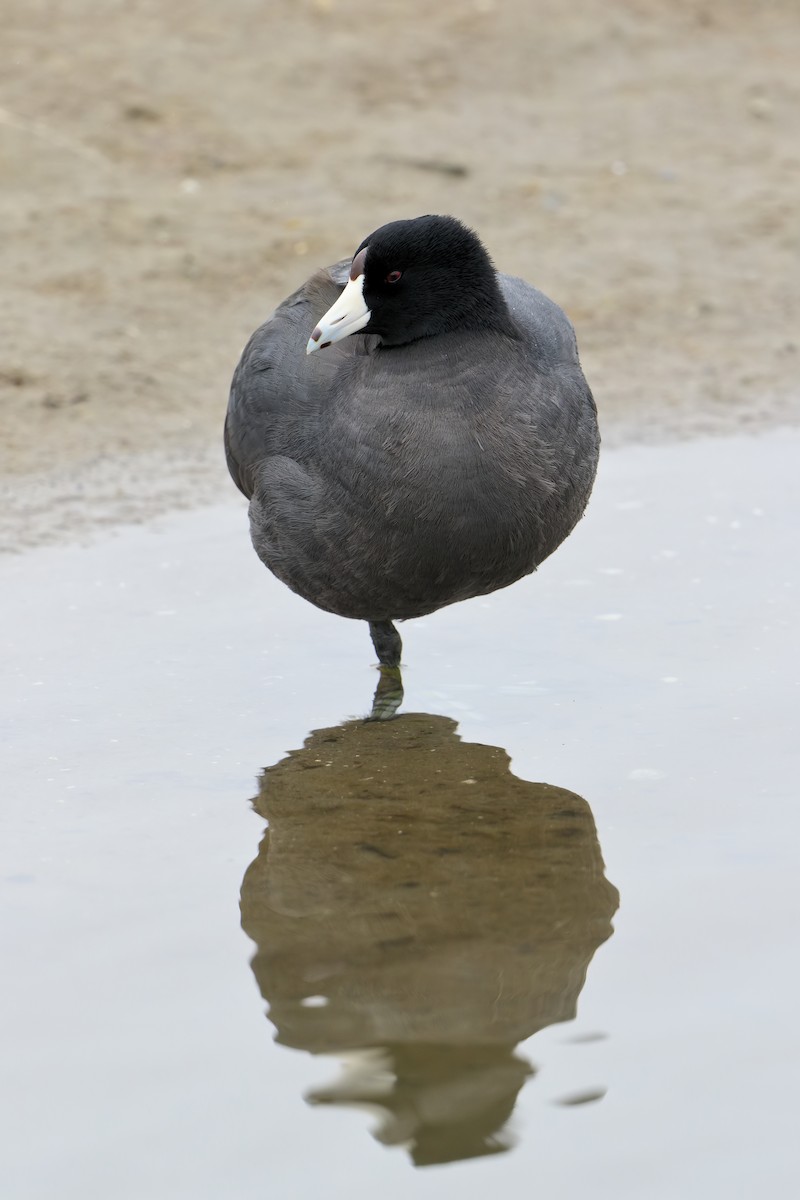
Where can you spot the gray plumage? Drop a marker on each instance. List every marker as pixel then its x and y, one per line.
pixel 386 481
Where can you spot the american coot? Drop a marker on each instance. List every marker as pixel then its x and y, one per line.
pixel 441 453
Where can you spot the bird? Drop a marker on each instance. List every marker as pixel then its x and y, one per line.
pixel 412 428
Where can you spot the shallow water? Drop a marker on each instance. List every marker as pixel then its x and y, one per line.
pixel 431 923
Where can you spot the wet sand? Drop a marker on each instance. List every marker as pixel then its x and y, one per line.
pixel 172 171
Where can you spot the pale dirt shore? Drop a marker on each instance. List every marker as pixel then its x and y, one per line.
pixel 170 172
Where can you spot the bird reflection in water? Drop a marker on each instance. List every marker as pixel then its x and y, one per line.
pixel 419 911
pixel 388 694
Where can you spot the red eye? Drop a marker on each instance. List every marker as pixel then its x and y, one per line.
pixel 393 276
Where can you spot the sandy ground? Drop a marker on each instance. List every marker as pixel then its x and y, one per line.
pixel 171 171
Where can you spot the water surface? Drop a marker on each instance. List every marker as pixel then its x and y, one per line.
pixel 427 992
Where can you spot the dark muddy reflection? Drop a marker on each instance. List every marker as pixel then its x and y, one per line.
pixel 419 911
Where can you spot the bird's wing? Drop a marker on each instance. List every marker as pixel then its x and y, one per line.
pixel 276 389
